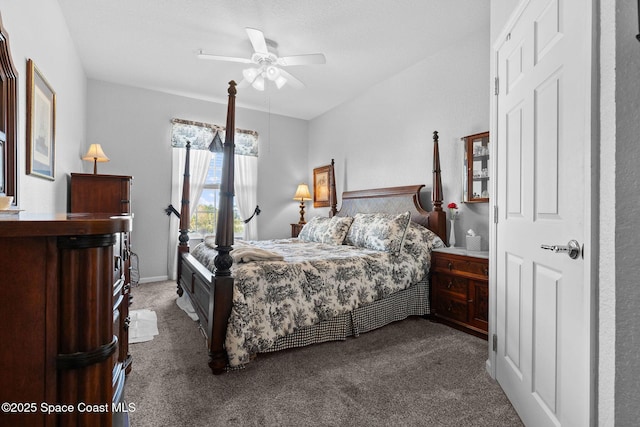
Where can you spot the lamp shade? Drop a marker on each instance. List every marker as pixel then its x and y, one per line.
pixel 95 153
pixel 302 193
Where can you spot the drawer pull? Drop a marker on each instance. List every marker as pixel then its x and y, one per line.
pixel 82 359
pixel 450 307
pixel 450 284
pixel 450 265
pixel 486 271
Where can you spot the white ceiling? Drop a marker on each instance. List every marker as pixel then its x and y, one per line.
pixel 153 44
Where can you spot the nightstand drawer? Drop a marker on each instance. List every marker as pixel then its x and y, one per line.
pixel 295 229
pixel 460 291
pixel 451 284
pixel 465 265
pixel 450 307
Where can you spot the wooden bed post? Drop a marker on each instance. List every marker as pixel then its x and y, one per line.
pixel 439 216
pixel 333 198
pixel 221 297
pixel 185 215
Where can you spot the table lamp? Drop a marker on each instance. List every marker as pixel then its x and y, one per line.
pixel 96 154
pixel 302 194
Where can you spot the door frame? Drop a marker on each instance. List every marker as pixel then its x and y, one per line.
pixel 591 189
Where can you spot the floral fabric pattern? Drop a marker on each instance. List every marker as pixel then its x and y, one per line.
pixel 326 230
pixel 316 281
pixel 379 231
pixel 313 230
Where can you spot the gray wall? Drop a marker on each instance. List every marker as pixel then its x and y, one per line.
pixel 133 125
pixel 383 137
pixel 627 212
pixel 37 30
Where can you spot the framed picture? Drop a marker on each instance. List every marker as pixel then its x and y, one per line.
pixel 41 124
pixel 321 189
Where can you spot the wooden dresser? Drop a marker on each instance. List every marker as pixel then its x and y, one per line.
pixel 110 194
pixel 60 316
pixel 460 289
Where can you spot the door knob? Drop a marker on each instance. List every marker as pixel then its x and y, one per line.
pixel 572 249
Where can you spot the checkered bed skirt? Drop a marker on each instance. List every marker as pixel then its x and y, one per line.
pixel 413 301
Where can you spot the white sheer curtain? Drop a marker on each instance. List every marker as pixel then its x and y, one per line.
pixel 246 192
pixel 199 162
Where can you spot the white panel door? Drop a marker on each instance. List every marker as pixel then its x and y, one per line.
pixel 543 298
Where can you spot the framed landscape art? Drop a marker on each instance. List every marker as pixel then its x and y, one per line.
pixel 321 189
pixel 41 124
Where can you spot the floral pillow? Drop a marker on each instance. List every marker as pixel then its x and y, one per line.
pixel 326 230
pixel 419 241
pixel 313 230
pixel 379 231
pixel 337 230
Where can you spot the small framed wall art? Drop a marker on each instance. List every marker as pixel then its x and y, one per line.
pixel 41 124
pixel 321 184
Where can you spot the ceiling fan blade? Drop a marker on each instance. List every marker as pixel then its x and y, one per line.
pixel 312 58
pixel 292 80
pixel 257 40
pixel 202 55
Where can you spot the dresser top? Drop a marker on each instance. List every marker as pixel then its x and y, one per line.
pixel 464 252
pixel 99 176
pixel 23 224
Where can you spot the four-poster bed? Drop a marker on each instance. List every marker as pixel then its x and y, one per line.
pixel 395 262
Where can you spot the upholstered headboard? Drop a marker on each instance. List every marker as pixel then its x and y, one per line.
pixel 394 200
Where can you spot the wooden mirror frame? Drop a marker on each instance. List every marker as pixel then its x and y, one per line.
pixel 8 118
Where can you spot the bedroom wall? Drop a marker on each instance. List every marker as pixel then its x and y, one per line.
pixel 627 210
pixel 383 138
pixel 133 126
pixel 37 30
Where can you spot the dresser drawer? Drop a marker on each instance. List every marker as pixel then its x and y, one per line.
pixel 449 306
pixel 451 284
pixel 464 265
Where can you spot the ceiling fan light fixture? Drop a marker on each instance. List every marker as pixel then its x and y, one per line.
pixel 267 64
pixel 272 72
pixel 280 81
pixel 258 83
pixel 250 74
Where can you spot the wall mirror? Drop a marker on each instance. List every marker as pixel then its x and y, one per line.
pixel 475 181
pixel 8 119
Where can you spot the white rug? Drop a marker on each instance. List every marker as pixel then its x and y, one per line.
pixel 143 326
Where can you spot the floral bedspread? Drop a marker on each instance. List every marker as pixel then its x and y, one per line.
pixel 316 281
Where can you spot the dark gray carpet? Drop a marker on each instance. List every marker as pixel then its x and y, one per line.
pixel 410 373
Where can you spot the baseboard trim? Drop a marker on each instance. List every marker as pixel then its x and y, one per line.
pixel 153 279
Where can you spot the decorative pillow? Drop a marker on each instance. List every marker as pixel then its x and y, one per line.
pixel 337 230
pixel 313 230
pixel 419 241
pixel 379 231
pixel 326 230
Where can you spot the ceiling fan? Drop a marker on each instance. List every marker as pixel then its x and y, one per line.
pixel 268 64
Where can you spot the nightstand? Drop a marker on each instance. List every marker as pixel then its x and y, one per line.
pixel 295 229
pixel 460 289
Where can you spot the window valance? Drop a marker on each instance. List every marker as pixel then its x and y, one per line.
pixel 205 136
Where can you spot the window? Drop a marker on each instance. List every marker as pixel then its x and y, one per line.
pixel 206 142
pixel 205 215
